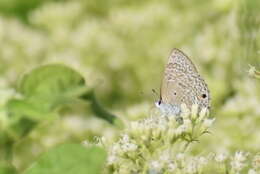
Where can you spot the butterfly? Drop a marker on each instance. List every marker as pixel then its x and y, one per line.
pixel 182 84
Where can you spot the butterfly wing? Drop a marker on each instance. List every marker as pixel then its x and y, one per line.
pixel 182 82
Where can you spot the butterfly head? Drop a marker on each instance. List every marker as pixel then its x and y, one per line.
pixel 158 103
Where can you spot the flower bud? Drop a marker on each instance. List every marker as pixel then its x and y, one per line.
pixel 207 123
pixel 194 111
pixel 203 114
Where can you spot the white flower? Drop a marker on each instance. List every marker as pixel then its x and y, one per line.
pixel 125 138
pixel 208 123
pixel 185 111
pixel 99 141
pixel 180 156
pixel 172 166
pixel 111 159
pixel 181 129
pixel 194 111
pixel 256 162
pixel 162 125
pixel 191 167
pixel 202 161
pixel 240 156
pixel 152 171
pixel 172 122
pixel 165 156
pixel 128 147
pixel 237 162
pixel 132 147
pixel 187 123
pixel 252 171
pixel 203 113
pixel 116 148
pixel 220 157
pixel 134 125
pixel 156 165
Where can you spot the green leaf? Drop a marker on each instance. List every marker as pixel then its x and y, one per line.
pixel 7 168
pixel 51 81
pixel 48 88
pixel 70 159
pixel 22 107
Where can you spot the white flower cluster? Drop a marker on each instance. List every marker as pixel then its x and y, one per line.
pixel 158 145
pixel 238 161
pixel 150 145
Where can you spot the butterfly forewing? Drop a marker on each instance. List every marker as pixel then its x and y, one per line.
pixel 182 82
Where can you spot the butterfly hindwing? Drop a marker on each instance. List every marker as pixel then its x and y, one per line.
pixel 182 82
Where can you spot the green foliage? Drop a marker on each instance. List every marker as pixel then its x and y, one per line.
pixel 69 159
pixel 51 81
pixel 43 93
pixel 45 89
pixel 48 88
pixel 7 169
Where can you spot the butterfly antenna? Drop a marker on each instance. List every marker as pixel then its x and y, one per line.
pixel 156 94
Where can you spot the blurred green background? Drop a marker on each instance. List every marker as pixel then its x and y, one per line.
pixel 121 48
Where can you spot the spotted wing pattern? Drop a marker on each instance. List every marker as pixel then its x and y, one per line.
pixel 182 82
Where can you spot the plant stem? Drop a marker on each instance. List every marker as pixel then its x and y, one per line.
pixel 99 111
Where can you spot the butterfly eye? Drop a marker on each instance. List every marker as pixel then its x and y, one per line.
pixel 175 93
pixel 204 96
